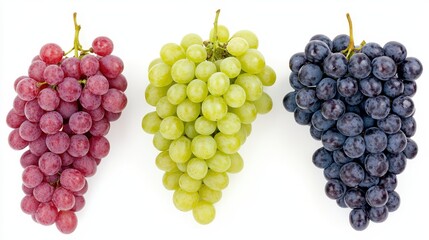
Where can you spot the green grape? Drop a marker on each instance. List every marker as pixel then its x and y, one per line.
pixel 217 63
pixel 252 61
pixel 237 163
pixel 160 142
pixel 267 76
pixel 197 90
pixel 197 168
pixel 218 83
pixel 235 96
pixel 160 75
pixel 190 131
pixel 170 180
pixel 153 94
pixel 247 127
pixel 204 126
pixel 216 181
pixel 189 184
pixel 209 195
pixel 204 70
pixel 237 46
pixel 251 85
pixel 185 201
pixel 230 66
pixel 264 104
pixel 154 62
pixel 227 143
pixel 182 166
pixel 163 162
pixel 247 113
pixel 171 127
pixel 180 149
pixel 249 36
pixel 183 71
pixel 222 34
pixel 230 124
pixel 164 108
pixel 220 162
pixel 204 212
pixel 188 111
pixel 203 146
pixel 242 134
pixel 190 39
pixel 151 122
pixel 171 53
pixel 176 93
pixel 196 53
pixel 214 108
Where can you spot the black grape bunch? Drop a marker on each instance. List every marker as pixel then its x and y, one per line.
pixel 358 101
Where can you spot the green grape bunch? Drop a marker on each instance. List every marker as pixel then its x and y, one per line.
pixel 206 95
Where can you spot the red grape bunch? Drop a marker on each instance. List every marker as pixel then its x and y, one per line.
pixel 62 113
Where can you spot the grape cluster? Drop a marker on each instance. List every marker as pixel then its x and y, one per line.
pixel 358 102
pixel 62 112
pixel 206 94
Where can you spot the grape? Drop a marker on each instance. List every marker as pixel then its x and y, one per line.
pixel 357 100
pixel 62 112
pixel 206 95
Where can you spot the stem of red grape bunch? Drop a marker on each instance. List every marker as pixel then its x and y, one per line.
pixel 77 47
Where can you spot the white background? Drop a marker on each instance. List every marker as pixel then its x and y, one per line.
pixel 279 194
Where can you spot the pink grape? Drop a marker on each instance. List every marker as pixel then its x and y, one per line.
pixel 67 159
pixel 71 67
pixel 18 106
pixel 63 199
pixel 15 140
pixel 82 191
pixel 79 145
pixel 33 112
pixel 27 190
pixel 86 165
pixel 72 179
pixel 38 146
pixel 14 120
pixel 79 203
pixel 36 69
pixel 69 90
pixel 114 101
pixel 46 213
pixel 32 176
pixel 43 192
pixel 52 179
pixel 100 128
pixel 27 89
pixel 102 46
pixel 66 109
pixel 97 84
pixel 15 83
pixel 48 99
pixel 53 74
pixel 111 66
pixel 120 83
pixel 27 159
pixel 51 53
pixel 49 163
pixel 96 114
pixel 99 146
pixel 89 65
pixel 66 222
pixel 51 122
pixel 58 143
pixel 80 122
pixel 29 131
pixel 88 100
pixel 29 204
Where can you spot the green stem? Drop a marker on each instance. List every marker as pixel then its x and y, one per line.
pixel 349 51
pixel 76 44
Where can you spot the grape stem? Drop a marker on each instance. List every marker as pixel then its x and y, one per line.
pixel 215 50
pixel 77 47
pixel 351 49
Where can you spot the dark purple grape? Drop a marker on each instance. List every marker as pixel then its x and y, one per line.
pixel 350 124
pixel 355 99
pixel 369 181
pixel 332 171
pixel 333 140
pixel 393 202
pixel 347 87
pixel 352 174
pixel 393 88
pixel 294 81
pixel 322 158
pixel 326 89
pixel 354 147
pixel 409 126
pixel 410 88
pixel 372 50
pixel 335 65
pixel 370 86
pixel 340 157
pixel 302 117
pixel 359 66
pixel 376 196
pixel 297 61
pixel 379 107
pixel 403 106
pixel 324 39
pixel 376 164
pixel 321 123
pixel 383 68
pixel 340 43
pixel 389 181
pixel 391 124
pixel 397 162
pixel 358 219
pixel 310 75
pixel 315 134
pixel 395 51
pixel 305 98
pixel 378 214
pixel 316 51
pixel 333 109
pixel 375 140
pixel 410 69
pixel 411 149
pixel 396 142
pixel 289 102
pixel 335 189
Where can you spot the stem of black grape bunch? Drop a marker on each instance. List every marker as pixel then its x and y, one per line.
pixel 351 49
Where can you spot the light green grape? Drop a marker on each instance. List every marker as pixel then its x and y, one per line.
pixel 227 143
pixel 189 184
pixel 251 85
pixel 237 163
pixel 204 126
pixel 190 39
pixel 247 127
pixel 204 212
pixel 176 93
pixel 242 134
pixel 264 104
pixel 160 142
pixel 183 71
pixel 218 83
pixel 196 53
pixel 216 181
pixel 160 75
pixel 249 36
pixel 217 63
pixel 214 108
pixel 197 168
pixel 190 131
pixel 197 90
pixel 151 122
pixel 235 96
pixel 171 53
pixel 182 166
pixel 230 124
pixel 220 162
pixel 180 150
pixel 170 180
pixel 222 34
pixel 164 108
pixel 188 111
pixel 230 66
pixel 267 76
pixel 185 201
pixel 252 61
pixel 171 127
pixel 237 46
pixel 203 146
pixel 153 94
pixel 153 63
pixel 163 162
pixel 204 70
pixel 209 195
pixel 247 113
